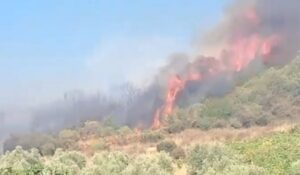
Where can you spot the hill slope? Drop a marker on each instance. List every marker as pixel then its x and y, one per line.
pixel 272 96
pixel 246 136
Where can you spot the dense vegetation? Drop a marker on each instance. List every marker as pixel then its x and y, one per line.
pixel 21 162
pixel 272 96
pixel 94 147
pixel 278 154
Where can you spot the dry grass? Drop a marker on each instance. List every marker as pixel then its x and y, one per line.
pixel 132 144
pixel 193 136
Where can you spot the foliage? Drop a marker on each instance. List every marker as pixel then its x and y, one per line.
pixel 124 130
pixel 152 136
pixel 272 95
pixel 100 145
pixel 69 138
pixel 90 128
pixel 275 153
pixel 45 143
pixel 113 163
pixel 178 153
pixel 65 163
pixel 157 164
pixel 167 146
pixel 69 135
pixel 116 163
pixel 219 160
pixel 20 162
pixel 295 168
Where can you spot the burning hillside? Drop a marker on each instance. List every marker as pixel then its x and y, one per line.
pixel 262 31
pixel 251 36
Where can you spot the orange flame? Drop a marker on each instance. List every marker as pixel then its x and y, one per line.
pixel 241 52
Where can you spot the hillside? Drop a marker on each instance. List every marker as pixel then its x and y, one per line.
pixel 252 130
pixel 273 96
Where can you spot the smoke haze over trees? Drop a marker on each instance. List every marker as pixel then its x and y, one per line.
pixel 270 27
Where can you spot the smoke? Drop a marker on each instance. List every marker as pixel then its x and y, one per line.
pixel 252 36
pixel 266 18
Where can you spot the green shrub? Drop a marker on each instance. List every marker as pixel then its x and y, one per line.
pixel 275 153
pixel 112 163
pixel 69 135
pixel 262 121
pixel 235 123
pixel 219 160
pixel 295 168
pixel 175 128
pixel 100 146
pixel 204 123
pixel 125 130
pixel 156 164
pixel 65 163
pixel 45 143
pixel 178 153
pixel 179 121
pixel 48 149
pixel 69 138
pixel 21 162
pixel 167 146
pixel 90 128
pixel 152 136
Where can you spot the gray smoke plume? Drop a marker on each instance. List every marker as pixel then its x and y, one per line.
pixel 272 17
pixel 277 21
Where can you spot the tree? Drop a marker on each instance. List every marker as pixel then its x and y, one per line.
pixel 157 164
pixel 219 160
pixel 21 162
pixel 64 163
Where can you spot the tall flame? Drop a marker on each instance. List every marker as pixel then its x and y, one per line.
pixel 240 52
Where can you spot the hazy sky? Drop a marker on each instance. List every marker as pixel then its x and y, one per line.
pixel 50 47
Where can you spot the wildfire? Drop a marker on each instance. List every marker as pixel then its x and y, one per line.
pixel 240 52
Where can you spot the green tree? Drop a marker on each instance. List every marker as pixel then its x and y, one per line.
pixel 219 160
pixel 21 162
pixel 157 164
pixel 65 163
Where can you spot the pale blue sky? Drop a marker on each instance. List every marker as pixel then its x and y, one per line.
pixel 53 46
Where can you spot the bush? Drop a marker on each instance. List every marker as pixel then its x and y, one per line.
pixel 125 130
pixel 167 146
pixel 235 123
pixel 157 164
pixel 116 163
pixel 178 153
pixel 21 162
pixel 112 163
pixel 152 136
pixel 69 138
pixel 179 121
pixel 175 128
pixel 65 163
pixel 203 123
pixel 219 160
pixel 219 123
pixel 90 128
pixel 100 145
pixel 262 121
pixel 45 143
pixel 295 168
pixel 69 135
pixel 275 153
pixel 48 149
